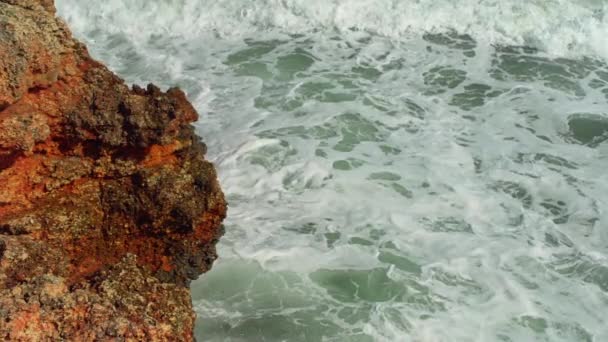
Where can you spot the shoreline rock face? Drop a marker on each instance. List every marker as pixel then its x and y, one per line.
pixel 107 206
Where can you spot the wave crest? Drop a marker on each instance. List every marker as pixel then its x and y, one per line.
pixel 558 27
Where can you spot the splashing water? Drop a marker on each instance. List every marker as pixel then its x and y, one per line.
pixel 396 170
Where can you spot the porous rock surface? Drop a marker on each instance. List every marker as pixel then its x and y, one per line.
pixel 107 206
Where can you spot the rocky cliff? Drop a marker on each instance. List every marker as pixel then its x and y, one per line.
pixel 107 206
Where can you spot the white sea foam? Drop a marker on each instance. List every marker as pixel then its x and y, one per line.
pixel 384 182
pixel 561 27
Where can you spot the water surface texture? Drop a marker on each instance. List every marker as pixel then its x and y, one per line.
pixel 396 170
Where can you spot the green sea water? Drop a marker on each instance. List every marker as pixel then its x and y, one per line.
pixel 437 179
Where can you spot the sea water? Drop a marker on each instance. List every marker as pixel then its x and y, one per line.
pixel 396 170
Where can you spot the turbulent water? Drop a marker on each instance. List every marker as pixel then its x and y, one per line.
pixel 397 170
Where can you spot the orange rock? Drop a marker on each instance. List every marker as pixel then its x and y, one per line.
pixel 107 206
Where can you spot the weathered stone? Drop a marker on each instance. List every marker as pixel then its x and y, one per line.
pixel 107 206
